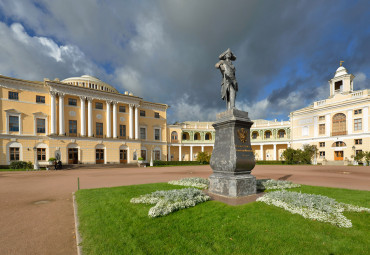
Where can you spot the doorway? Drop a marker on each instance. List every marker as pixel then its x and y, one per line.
pixel 338 155
pixel 73 156
pixel 99 156
pixel 123 156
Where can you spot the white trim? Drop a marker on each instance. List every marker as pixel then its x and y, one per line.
pixel 40 115
pixel 12 112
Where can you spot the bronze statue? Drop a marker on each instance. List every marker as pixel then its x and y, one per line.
pixel 229 85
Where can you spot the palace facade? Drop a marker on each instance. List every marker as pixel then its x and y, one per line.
pixel 84 120
pixel 81 120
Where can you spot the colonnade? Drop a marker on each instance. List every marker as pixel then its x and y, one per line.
pixel 109 121
pixel 183 145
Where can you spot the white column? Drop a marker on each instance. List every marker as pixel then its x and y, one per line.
pixel 89 117
pixel 180 154
pixel 315 127
pixel 61 114
pixel 261 150
pixel 191 152
pixel 327 124
pixel 131 121
pixel 53 113
pixel 169 153
pixel 136 122
pixel 108 119
pixel 202 148
pixel 83 116
pixel 114 119
pixel 349 122
pixel 274 151
pixel 365 114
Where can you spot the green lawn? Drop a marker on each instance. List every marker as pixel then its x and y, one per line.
pixel 110 224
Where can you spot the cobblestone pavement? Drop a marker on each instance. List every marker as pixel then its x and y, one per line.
pixel 36 212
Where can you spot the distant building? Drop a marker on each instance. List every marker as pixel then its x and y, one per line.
pixel 338 125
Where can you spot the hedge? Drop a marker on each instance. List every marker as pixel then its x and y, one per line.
pixel 21 165
pixel 270 162
pixel 175 163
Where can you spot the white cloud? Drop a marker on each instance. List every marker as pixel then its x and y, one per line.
pixel 32 57
pixel 129 80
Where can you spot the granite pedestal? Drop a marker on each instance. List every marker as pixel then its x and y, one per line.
pixel 232 158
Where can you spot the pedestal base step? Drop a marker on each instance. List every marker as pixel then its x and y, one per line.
pixel 232 185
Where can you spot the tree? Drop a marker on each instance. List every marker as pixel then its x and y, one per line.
pixel 299 156
pixel 203 157
pixel 308 153
pixel 367 157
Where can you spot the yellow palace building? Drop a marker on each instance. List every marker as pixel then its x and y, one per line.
pixel 80 119
pixel 86 121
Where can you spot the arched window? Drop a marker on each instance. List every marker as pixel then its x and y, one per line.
pixel 208 136
pixel 339 144
pixel 281 133
pixel 174 137
pixel 255 135
pixel 268 134
pixel 339 124
pixel 185 136
pixel 197 136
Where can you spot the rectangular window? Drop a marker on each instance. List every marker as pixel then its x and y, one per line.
pixel 267 135
pixel 13 95
pixel 143 154
pixel 157 134
pixel 40 126
pixel 305 131
pixel 322 154
pixel 157 155
pixel 14 154
pixel 142 113
pixel 13 123
pixel 72 101
pixel 358 111
pixel 98 105
pixel 122 131
pixel 40 99
pixel 73 127
pixel 321 118
pixel 321 129
pixel 41 154
pixel 322 144
pixel 122 108
pixel 156 115
pixel 143 133
pixel 358 124
pixel 99 129
pixel 358 141
pixel 281 134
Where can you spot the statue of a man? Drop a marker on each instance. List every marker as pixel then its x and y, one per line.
pixel 229 85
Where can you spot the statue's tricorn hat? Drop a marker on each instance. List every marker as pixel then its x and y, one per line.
pixel 223 55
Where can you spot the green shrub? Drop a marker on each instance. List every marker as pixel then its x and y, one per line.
pixel 21 165
pixel 292 156
pixel 203 157
pixel 175 163
pixel 270 162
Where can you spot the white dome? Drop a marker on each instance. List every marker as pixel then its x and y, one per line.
pixel 91 79
pixel 340 71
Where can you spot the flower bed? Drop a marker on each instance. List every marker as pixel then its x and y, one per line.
pixel 270 184
pixel 192 182
pixel 315 207
pixel 167 201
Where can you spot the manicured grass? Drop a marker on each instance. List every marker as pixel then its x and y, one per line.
pixel 110 224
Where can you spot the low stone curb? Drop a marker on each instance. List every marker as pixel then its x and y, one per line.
pixel 77 224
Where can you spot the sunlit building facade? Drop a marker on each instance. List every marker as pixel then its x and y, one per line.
pixel 82 120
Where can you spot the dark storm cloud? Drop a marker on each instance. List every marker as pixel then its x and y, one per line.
pixel 165 50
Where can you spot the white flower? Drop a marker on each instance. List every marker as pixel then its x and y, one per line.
pixel 315 207
pixel 167 201
pixel 192 182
